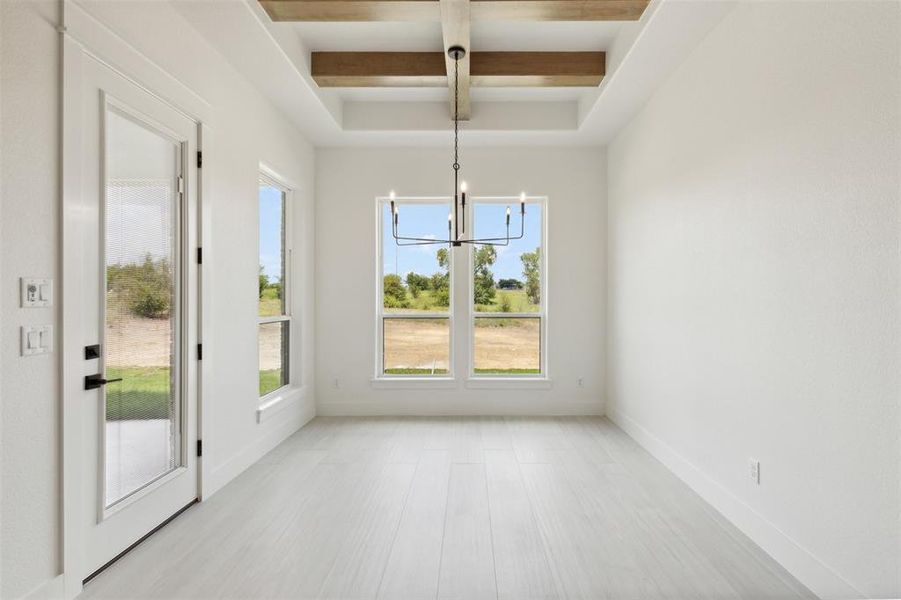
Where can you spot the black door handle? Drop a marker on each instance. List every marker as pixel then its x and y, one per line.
pixel 92 382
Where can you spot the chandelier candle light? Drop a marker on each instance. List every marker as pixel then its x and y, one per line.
pixel 458 216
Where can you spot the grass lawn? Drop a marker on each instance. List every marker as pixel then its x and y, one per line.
pixel 415 372
pixel 270 381
pixel 143 393
pixel 270 303
pixel 514 301
pixel 424 301
pixel 478 371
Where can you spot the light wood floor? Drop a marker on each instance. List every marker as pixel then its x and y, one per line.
pixel 466 508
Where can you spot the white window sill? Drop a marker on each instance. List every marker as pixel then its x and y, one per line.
pixel 278 400
pixel 509 383
pixel 415 383
pixel 474 383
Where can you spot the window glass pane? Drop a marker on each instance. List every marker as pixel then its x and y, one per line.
pixel 507 278
pixel 273 341
pixel 272 251
pixel 508 346
pixel 142 434
pixel 416 346
pixel 416 278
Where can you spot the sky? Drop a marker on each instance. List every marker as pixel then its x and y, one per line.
pixel 430 220
pixel 271 232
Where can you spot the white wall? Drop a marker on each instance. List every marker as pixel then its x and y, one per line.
pixel 245 129
pixel 348 181
pixel 29 522
pixel 754 283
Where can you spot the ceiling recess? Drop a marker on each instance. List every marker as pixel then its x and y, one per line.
pixel 475 68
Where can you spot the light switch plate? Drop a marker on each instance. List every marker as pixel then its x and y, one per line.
pixel 36 293
pixel 37 339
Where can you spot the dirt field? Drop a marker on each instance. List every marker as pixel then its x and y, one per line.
pixel 421 344
pixel 409 344
pixel 135 342
pixel 513 346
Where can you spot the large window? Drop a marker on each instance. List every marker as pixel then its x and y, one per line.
pixel 414 295
pixel 274 312
pixel 508 293
pixel 505 319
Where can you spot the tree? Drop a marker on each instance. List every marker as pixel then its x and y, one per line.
pixel 440 282
pixel 443 258
pixel 531 270
pixel 394 292
pixel 506 305
pixel 509 284
pixel 483 278
pixel 145 287
pixel 441 294
pixel 264 281
pixel 416 283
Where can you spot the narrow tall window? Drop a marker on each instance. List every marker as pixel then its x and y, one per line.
pixel 508 285
pixel 274 312
pixel 414 294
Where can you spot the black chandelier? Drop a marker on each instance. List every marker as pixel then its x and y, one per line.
pixel 456 226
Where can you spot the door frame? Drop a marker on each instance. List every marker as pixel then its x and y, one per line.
pixel 82 39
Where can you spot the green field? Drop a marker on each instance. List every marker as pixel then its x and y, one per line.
pixel 510 301
pixel 270 381
pixel 478 371
pixel 270 303
pixel 415 372
pixel 143 392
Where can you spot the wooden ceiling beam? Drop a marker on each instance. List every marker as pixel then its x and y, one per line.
pixel 352 10
pixel 558 10
pixel 486 69
pixel 537 69
pixel 429 10
pixel 379 69
pixel 455 32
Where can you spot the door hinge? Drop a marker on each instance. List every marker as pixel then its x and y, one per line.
pixel 199 447
pixel 200 256
pixel 199 159
pixel 199 351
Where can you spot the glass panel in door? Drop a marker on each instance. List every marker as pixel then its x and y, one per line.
pixel 142 438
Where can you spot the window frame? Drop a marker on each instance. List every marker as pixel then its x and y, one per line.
pixel 266 177
pixel 542 314
pixel 381 202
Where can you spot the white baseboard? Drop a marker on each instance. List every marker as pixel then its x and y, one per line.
pixel 52 589
pixel 419 408
pixel 253 452
pixel 821 579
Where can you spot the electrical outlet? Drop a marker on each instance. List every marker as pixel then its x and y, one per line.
pixel 337 383
pixel 754 470
pixel 581 382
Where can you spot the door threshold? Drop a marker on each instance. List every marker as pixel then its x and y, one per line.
pixel 137 543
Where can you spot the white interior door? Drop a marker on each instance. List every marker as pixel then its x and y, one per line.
pixel 138 298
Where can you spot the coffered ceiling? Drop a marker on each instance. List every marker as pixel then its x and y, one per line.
pixel 362 72
pixel 523 65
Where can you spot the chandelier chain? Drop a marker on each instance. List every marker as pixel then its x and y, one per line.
pixel 456 115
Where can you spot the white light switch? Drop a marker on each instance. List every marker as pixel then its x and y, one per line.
pixel 36 293
pixel 37 339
